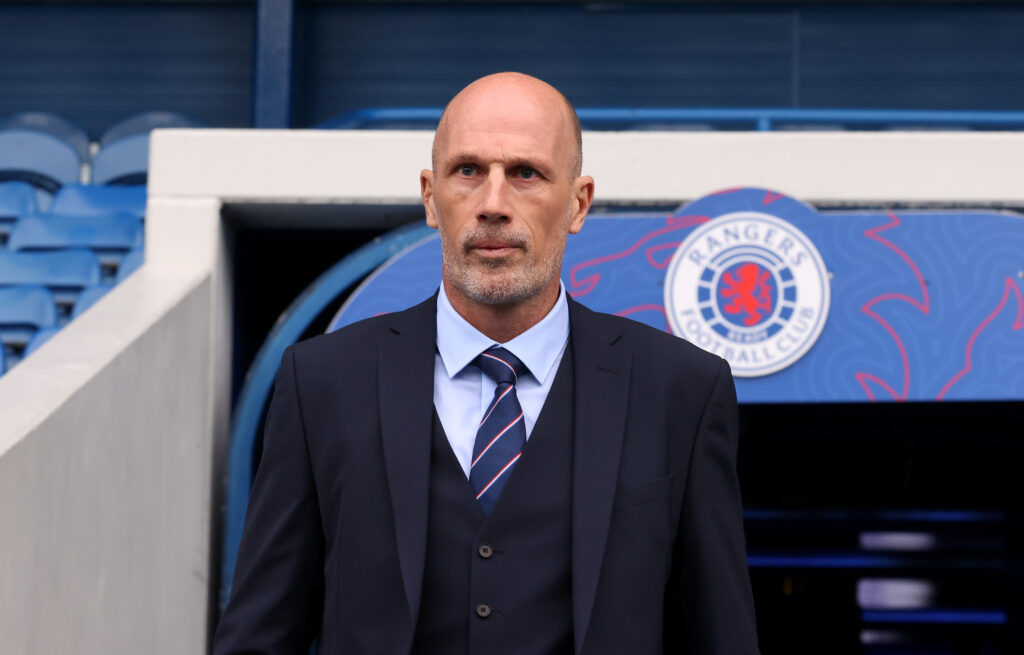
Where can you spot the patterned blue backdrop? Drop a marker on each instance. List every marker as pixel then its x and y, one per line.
pixel 925 305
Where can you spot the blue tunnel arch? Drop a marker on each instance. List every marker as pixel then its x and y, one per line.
pixel 259 382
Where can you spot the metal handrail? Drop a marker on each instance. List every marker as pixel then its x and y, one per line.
pixel 765 119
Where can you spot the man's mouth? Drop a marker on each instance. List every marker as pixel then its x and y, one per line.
pixel 493 247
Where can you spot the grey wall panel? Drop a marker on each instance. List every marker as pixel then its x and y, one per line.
pixel 351 57
pixel 960 56
pixel 872 55
pixel 97 64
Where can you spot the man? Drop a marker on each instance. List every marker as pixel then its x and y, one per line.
pixel 571 491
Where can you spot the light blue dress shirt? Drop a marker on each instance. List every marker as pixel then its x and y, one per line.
pixel 462 392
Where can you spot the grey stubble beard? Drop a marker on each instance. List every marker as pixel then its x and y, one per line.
pixel 485 282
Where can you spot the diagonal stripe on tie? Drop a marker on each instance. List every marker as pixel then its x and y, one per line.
pixel 498 475
pixel 501 436
pixel 494 403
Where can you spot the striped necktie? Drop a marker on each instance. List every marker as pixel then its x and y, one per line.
pixel 501 435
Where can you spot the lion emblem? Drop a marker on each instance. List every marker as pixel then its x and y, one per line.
pixel 749 293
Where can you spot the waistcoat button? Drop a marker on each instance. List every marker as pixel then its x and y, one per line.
pixel 483 611
pixel 485 551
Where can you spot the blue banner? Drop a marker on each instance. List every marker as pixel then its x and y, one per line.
pixel 806 306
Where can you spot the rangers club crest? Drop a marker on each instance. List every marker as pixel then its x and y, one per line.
pixel 751 288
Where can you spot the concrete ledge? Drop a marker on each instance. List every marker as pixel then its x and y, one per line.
pixel 369 167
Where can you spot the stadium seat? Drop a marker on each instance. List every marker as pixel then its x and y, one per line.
pixel 88 298
pixel 64 272
pixel 38 339
pixel 144 123
pixel 52 124
pixel 23 310
pixel 130 263
pixel 90 200
pixel 16 200
pixel 42 160
pixel 110 236
pixel 125 162
pixel 123 158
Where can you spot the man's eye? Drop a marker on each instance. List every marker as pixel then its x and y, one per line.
pixel 527 173
pixel 466 169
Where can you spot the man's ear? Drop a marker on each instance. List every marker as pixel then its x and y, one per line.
pixel 582 198
pixel 427 195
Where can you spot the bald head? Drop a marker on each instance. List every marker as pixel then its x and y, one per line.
pixel 510 98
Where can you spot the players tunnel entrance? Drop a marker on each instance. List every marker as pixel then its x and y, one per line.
pixel 878 475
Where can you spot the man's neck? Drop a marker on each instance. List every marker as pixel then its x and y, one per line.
pixel 504 322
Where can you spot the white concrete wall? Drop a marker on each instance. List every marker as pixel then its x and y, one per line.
pixel 108 439
pixel 104 506
pixel 112 435
pixel 382 166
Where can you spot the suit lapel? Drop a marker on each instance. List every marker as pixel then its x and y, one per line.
pixel 406 407
pixel 602 384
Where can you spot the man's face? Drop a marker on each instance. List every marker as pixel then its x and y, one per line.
pixel 503 195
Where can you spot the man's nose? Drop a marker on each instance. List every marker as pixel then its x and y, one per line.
pixel 495 202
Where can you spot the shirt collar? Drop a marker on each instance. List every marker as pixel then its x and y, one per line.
pixel 459 343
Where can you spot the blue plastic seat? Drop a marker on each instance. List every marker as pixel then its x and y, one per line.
pixel 88 298
pixel 130 263
pixel 23 311
pixel 38 339
pixel 16 200
pixel 123 158
pixel 65 273
pixel 52 124
pixel 42 160
pixel 110 236
pixel 91 200
pixel 144 123
pixel 124 162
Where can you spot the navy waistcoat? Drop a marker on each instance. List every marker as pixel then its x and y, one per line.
pixel 501 585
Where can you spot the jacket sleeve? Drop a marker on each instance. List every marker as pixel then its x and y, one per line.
pixel 709 604
pixel 277 588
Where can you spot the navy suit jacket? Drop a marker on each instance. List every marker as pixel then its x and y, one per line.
pixel 335 535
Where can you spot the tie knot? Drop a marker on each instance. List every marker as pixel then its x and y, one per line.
pixel 500 365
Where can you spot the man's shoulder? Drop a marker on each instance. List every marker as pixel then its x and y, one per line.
pixel 360 333
pixel 358 338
